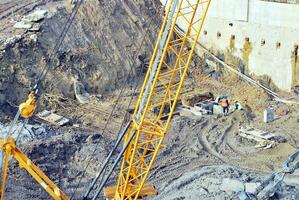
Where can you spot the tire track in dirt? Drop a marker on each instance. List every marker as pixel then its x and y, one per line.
pixel 176 159
pixel 16 7
pixel 206 131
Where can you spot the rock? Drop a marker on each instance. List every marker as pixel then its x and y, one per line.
pixel 35 16
pixel 250 187
pixel 35 27
pixel 13 40
pixel 230 186
pixel 2 99
pixel 76 125
pixel 22 25
pixel 33 37
pixel 93 138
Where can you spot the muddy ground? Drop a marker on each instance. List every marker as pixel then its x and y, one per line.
pixel 202 153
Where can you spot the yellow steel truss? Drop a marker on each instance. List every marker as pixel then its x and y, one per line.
pixel 9 148
pixel 159 94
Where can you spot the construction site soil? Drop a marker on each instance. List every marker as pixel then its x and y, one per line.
pixel 203 158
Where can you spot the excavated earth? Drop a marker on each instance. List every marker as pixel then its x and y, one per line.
pixel 204 157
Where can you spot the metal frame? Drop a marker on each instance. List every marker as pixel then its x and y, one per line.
pixel 9 148
pixel 155 104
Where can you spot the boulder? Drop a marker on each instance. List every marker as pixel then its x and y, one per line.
pixel 33 37
pixel 22 25
pixel 35 16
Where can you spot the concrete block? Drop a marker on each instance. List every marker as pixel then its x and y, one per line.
pixel 250 187
pixel 230 186
pixel 22 25
pixel 35 16
pixel 268 115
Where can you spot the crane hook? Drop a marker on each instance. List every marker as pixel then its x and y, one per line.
pixel 28 107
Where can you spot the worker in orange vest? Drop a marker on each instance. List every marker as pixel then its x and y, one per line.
pixel 225 105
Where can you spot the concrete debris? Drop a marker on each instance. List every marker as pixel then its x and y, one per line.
pixel 231 186
pixel 264 139
pixel 257 133
pixel 24 133
pixel 35 27
pixel 36 16
pixel 211 63
pixel 205 107
pixel 268 115
pixel 33 37
pixel 266 144
pixel 250 187
pixel 11 41
pixel 52 118
pixel 184 110
pixel 23 25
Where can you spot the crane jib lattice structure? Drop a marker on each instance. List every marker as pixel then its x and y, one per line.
pixel 158 97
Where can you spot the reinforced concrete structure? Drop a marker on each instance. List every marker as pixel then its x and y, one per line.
pixel 259 36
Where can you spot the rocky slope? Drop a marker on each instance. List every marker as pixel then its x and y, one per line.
pixel 104 44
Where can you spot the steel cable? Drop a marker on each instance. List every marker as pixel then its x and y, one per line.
pixel 151 20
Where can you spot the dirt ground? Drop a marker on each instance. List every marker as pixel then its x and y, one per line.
pixel 202 153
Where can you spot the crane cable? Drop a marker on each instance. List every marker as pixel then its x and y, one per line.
pixel 59 42
pixel 151 20
pixel 36 88
pixel 41 77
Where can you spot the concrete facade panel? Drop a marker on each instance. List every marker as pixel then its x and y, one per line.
pixel 270 29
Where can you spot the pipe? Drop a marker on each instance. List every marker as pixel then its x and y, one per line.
pixel 114 165
pixel 106 161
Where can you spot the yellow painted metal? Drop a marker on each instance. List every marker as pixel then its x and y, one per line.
pixel 28 107
pixel 9 148
pixel 152 126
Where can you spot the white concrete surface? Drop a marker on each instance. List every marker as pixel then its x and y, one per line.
pixel 258 20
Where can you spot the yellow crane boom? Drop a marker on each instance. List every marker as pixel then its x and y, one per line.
pixel 158 97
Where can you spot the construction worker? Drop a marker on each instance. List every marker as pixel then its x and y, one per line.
pixel 237 105
pixel 225 105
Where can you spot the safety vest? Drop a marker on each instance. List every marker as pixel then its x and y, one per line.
pixel 224 103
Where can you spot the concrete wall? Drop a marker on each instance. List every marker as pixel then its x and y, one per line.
pixel 266 34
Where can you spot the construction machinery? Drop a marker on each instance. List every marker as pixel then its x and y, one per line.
pixel 160 92
pixel 26 110
pixel 143 136
pixel 161 89
pixel 9 149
